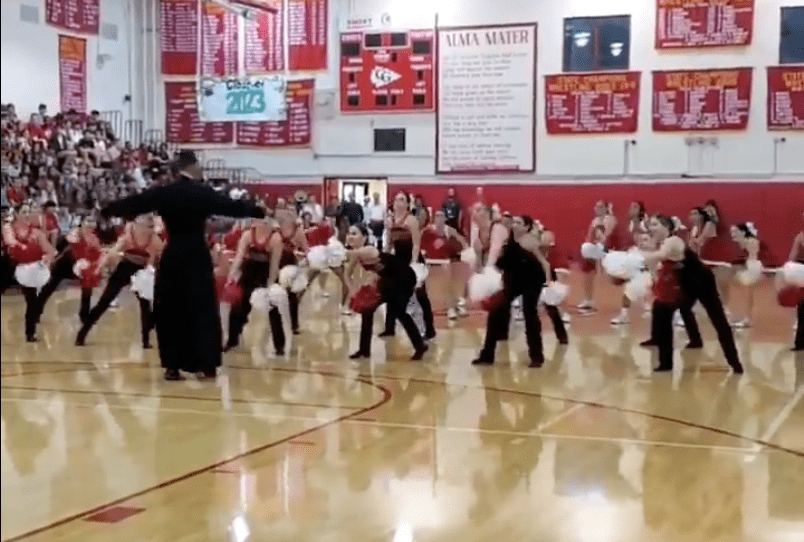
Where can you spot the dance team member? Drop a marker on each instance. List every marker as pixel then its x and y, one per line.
pixel 546 242
pixel 603 230
pixel 745 237
pixel 681 280
pixel 718 251
pixel 443 242
pixel 404 236
pixel 638 231
pixel 138 248
pixel 524 273
pixel 27 243
pixel 395 282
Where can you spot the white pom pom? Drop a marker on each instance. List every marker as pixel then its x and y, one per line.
pixel 300 281
pixel 80 266
pixel 623 265
pixel 259 299
pixel 554 294
pixel 286 275
pixel 793 273
pixel 277 297
pixel 421 273
pixel 317 258
pixel 637 288
pixel 336 253
pixel 593 251
pixel 485 284
pixel 469 256
pixel 143 281
pixel 751 274
pixel 32 275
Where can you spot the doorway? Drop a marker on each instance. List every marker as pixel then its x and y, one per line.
pixel 362 187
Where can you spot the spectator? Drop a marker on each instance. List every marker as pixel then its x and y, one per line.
pixel 376 219
pixel 352 211
pixel 420 211
pixel 452 210
pixel 313 208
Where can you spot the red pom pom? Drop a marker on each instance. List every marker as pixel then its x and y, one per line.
pixel 90 278
pixel 232 293
pixel 493 302
pixel 366 299
pixel 790 296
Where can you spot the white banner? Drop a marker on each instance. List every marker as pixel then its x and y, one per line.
pixel 486 120
pixel 256 99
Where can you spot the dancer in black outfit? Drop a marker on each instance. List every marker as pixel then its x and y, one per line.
pixel 681 280
pixel 140 247
pixel 395 283
pixel 524 269
pixel 404 236
pixel 186 315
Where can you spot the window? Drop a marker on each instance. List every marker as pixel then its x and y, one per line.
pixel 597 43
pixel 389 139
pixel 791 43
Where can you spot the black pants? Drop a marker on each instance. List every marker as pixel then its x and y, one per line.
pixel 499 319
pixel 31 310
pixel 254 275
pixel 690 324
pixel 393 313
pixel 799 341
pixel 62 270
pixel 558 323
pixel 117 281
pixel 275 321
pixel 396 303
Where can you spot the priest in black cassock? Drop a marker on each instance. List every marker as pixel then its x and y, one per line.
pixel 186 316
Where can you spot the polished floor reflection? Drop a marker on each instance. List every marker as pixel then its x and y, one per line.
pixel 592 447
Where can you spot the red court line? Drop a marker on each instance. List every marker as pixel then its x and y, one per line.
pixel 209 468
pixel 188 397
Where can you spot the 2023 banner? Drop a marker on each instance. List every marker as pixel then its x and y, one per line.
pixel 254 100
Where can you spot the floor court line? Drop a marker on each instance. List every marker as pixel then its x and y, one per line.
pixel 387 395
pixel 401 425
pixel 780 418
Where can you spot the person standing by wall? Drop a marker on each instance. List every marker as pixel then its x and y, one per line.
pixel 376 219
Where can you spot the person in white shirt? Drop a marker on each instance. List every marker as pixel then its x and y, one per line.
pixel 375 216
pixel 314 209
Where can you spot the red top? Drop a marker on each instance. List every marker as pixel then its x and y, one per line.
pixel 28 250
pixel 440 245
pixel 232 239
pixel 139 253
pixel 318 235
pixel 666 287
pixel 88 247
pixel 51 222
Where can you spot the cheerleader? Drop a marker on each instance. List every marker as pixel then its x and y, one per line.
pixel 138 247
pixel 638 231
pixel 524 273
pixel 318 235
pixel 81 258
pixel 750 267
pixel 288 246
pixel 443 242
pixel 252 263
pixel 602 230
pixel 394 284
pixel 26 244
pixel 404 238
pixel 682 279
pixel 718 251
pixel 546 240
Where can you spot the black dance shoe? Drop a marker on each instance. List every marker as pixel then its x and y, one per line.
pixel 737 368
pixel 430 335
pixel 360 354
pixel 483 361
pixel 229 346
pixel 536 363
pixel 146 345
pixel 419 354
pixel 173 375
pixel 387 333
pixel 296 332
pixel 563 340
pixel 81 338
pixel 31 338
pixel 694 346
pixel 648 343
pixel 663 369
pixel 797 348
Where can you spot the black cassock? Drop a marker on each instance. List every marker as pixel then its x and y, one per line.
pixel 186 317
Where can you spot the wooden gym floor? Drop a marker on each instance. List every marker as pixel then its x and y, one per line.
pixel 592 447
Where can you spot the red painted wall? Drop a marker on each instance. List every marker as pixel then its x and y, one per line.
pixel 774 207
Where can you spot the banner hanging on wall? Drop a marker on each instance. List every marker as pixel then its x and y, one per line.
pixel 701 100
pixel 592 103
pixel 182 122
pixel 786 98
pixel 486 114
pixel 264 43
pixel 253 99
pixel 387 71
pixel 81 16
pixel 308 23
pixel 73 73
pixel 218 40
pixel 294 131
pixel 703 23
pixel 179 37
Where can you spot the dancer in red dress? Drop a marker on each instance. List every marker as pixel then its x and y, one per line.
pixel 443 242
pixel 719 251
pixel 603 230
pixel 138 248
pixel 28 244
pixel 394 282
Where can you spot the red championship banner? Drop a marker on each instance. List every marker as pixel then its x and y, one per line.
pixel 701 100
pixel 81 16
pixel 73 73
pixel 703 23
pixel 387 71
pixel 786 98
pixel 179 37
pixel 294 132
pixel 264 43
pixel 182 123
pixel 218 41
pixel 307 34
pixel 592 103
